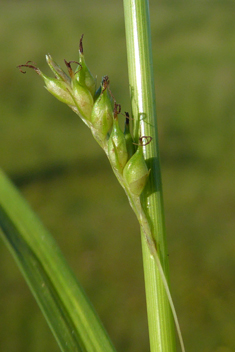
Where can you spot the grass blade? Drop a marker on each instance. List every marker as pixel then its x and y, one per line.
pixel 68 312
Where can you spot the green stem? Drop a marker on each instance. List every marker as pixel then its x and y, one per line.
pixel 161 329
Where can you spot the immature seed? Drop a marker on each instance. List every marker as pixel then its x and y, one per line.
pixel 117 150
pixel 84 76
pixel 136 172
pixel 102 113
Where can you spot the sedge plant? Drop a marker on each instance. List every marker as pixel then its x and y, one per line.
pixel 134 158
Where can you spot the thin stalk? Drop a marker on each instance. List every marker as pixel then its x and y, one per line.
pixel 160 321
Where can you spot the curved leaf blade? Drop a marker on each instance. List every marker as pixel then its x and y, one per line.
pixel 63 302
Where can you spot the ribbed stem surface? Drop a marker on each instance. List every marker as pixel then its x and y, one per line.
pixel 140 67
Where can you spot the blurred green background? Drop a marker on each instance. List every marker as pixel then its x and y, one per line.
pixel 52 158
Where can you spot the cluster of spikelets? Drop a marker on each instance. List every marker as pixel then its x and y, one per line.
pixel 99 111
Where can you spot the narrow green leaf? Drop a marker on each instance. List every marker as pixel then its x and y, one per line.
pixel 69 314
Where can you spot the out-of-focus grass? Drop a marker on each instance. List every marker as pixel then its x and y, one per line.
pixel 52 157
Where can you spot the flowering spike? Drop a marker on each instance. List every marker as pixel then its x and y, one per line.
pixel 84 76
pixel 102 113
pixel 58 72
pixel 57 87
pixel 83 99
pixel 136 172
pixel 117 151
pixel 81 95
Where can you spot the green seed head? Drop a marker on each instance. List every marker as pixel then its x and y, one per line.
pixel 102 113
pixel 56 86
pixel 136 172
pixel 117 151
pixel 58 72
pixel 84 76
pixel 80 94
pixel 84 100
pixel 59 89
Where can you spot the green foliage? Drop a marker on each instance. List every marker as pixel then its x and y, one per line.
pixel 66 308
pixel 49 154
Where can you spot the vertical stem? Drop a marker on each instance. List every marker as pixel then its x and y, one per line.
pixel 137 23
